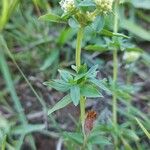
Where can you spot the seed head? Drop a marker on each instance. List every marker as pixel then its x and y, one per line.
pixel 67 5
pixel 104 6
pixel 89 121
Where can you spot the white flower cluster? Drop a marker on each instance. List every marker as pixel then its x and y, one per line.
pixel 90 16
pixel 67 5
pixel 131 56
pixel 104 6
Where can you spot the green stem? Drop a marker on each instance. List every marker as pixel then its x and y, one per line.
pixel 115 72
pixel 115 64
pixel 82 113
pixel 78 47
pixel 78 64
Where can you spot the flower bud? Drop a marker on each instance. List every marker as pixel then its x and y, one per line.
pixel 67 5
pixel 131 56
pixel 104 6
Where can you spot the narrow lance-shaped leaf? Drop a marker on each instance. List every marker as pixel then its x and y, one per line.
pixel 143 128
pixel 135 29
pixel 65 75
pixel 25 129
pixel 61 104
pixel 75 137
pixel 90 91
pixel 50 60
pixel 53 18
pixel 101 85
pixel 58 85
pixel 98 48
pixel 109 33
pixel 75 94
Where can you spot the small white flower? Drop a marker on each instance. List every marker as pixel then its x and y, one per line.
pixel 67 5
pixel 131 56
pixel 104 6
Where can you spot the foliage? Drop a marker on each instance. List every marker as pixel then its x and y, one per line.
pixel 34 46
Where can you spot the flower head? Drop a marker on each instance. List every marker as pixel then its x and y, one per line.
pixel 90 16
pixel 131 56
pixel 104 6
pixel 67 5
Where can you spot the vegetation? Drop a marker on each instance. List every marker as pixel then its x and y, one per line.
pixel 74 74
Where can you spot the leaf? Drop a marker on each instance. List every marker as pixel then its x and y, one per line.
pixel 98 48
pixel 143 128
pixel 109 33
pixel 65 75
pixel 129 134
pixel 50 60
pixel 58 85
pixel 73 23
pixel 65 36
pixel 126 144
pixel 75 94
pixel 52 17
pixel 61 104
pixel 145 4
pixel 92 72
pixel 86 3
pixel 25 129
pixel 88 90
pixel 76 137
pixel 135 29
pixel 98 23
pixel 99 140
pixel 101 85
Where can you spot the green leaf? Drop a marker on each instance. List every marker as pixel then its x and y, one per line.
pixel 99 140
pixel 25 129
pixel 101 85
pixel 126 144
pixel 61 104
pixel 75 94
pixel 53 18
pixel 76 137
pixel 65 75
pixel 50 60
pixel 88 90
pixel 86 3
pixel 135 29
pixel 58 85
pixel 92 72
pixel 65 35
pixel 98 23
pixel 136 49
pixel 109 33
pixel 98 48
pixel 144 4
pixel 129 134
pixel 73 23
pixel 143 128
